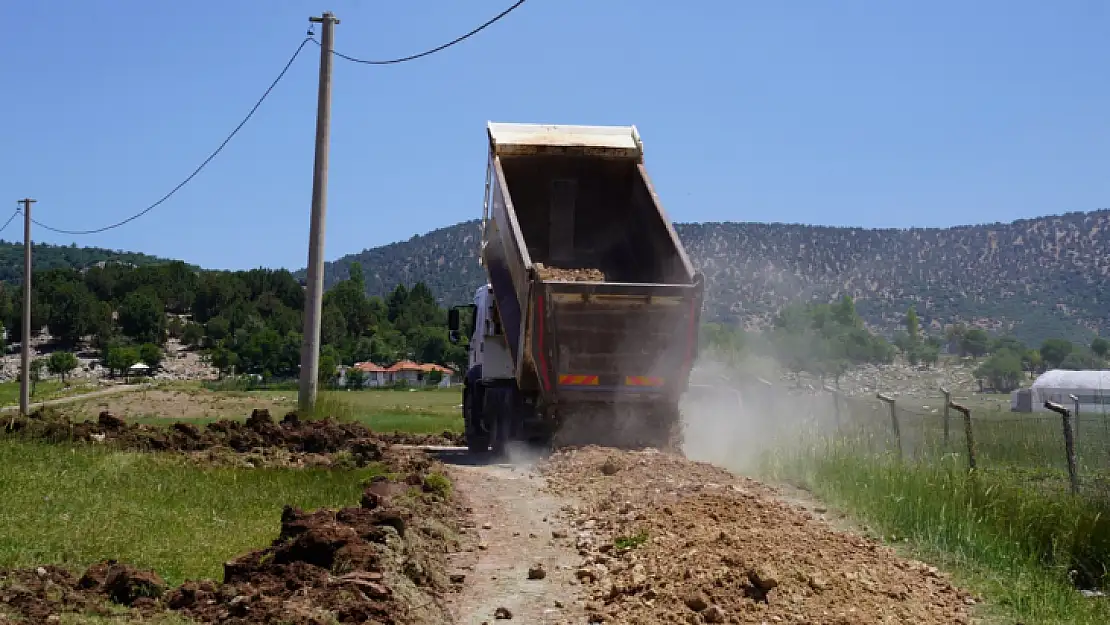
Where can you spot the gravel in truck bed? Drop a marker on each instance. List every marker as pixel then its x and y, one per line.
pixel 581 274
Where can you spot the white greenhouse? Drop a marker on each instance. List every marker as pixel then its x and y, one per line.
pixel 1057 385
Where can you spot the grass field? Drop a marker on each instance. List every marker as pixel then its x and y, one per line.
pixel 74 505
pixel 77 504
pixel 44 390
pixel 1011 529
pixel 420 412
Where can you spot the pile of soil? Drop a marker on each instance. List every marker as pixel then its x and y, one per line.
pixel 307 441
pixel 561 274
pixel 665 539
pixel 380 562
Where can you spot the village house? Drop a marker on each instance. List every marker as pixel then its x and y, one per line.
pixel 412 373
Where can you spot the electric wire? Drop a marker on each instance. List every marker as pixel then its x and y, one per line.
pixel 199 168
pixel 262 99
pixel 9 221
pixel 429 52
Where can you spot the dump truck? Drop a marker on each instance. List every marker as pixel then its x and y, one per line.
pixel 587 328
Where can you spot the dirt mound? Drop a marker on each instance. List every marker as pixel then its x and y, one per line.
pixel 668 540
pixel 566 274
pixel 259 434
pixel 380 562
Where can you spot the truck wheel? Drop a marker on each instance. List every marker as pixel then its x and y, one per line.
pixel 477 441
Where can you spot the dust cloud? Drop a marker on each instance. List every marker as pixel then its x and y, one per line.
pixel 733 416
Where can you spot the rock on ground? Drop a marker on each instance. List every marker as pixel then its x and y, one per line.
pixel 667 540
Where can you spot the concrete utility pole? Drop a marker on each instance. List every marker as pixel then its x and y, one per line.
pixel 25 355
pixel 314 291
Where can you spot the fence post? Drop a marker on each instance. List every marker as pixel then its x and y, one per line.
pixel 1075 400
pixel 947 401
pixel 972 462
pixel 836 407
pixel 893 421
pixel 1069 443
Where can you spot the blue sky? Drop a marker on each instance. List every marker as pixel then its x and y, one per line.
pixel 878 114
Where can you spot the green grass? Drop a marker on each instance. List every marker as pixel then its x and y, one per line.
pixel 74 505
pixel 44 390
pixel 631 542
pixel 416 412
pixel 1010 537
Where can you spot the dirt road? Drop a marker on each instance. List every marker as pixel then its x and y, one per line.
pixel 72 398
pixel 649 538
pixel 516 558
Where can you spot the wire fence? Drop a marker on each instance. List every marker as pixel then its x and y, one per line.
pixel 1053 450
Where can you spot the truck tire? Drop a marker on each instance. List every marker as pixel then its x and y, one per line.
pixel 477 441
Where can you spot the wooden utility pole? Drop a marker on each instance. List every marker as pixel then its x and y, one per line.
pixel 25 353
pixel 314 289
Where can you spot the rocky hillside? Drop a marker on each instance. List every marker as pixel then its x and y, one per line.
pixel 1035 277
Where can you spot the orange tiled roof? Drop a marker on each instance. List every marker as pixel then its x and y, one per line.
pixel 408 365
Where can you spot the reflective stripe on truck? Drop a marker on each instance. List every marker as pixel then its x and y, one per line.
pixel 568 379
pixel 644 380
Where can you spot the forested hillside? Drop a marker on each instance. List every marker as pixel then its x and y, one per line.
pixel 1034 278
pixel 246 321
pixel 46 256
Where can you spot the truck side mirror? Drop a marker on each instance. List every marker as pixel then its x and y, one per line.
pixel 453 320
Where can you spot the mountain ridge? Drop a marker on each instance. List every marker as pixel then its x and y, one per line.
pixel 1032 277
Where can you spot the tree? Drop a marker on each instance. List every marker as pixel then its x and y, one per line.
pixel 329 365
pixel 1054 351
pixel 61 363
pixel 356 378
pixel 70 314
pixel 1031 361
pixel 930 354
pixel 975 342
pixel 1100 346
pixel 102 325
pixel 192 334
pixel 217 329
pixel 1002 370
pixel 913 328
pixel 435 376
pixel 151 355
pixel 142 317
pixel 1010 343
pixel 119 358
pixel 1079 361
pixel 36 366
pixel 223 359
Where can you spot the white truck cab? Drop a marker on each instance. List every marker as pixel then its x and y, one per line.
pixel 488 346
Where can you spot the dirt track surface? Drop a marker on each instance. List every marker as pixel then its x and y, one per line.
pixel 111 390
pixel 588 535
pixel 512 534
pixel 667 540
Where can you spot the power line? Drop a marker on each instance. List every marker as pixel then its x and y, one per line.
pixel 196 171
pixel 425 53
pixel 9 221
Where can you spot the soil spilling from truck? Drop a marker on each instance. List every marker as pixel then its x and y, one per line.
pixel 382 561
pixel 565 274
pixel 667 540
pixel 260 440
